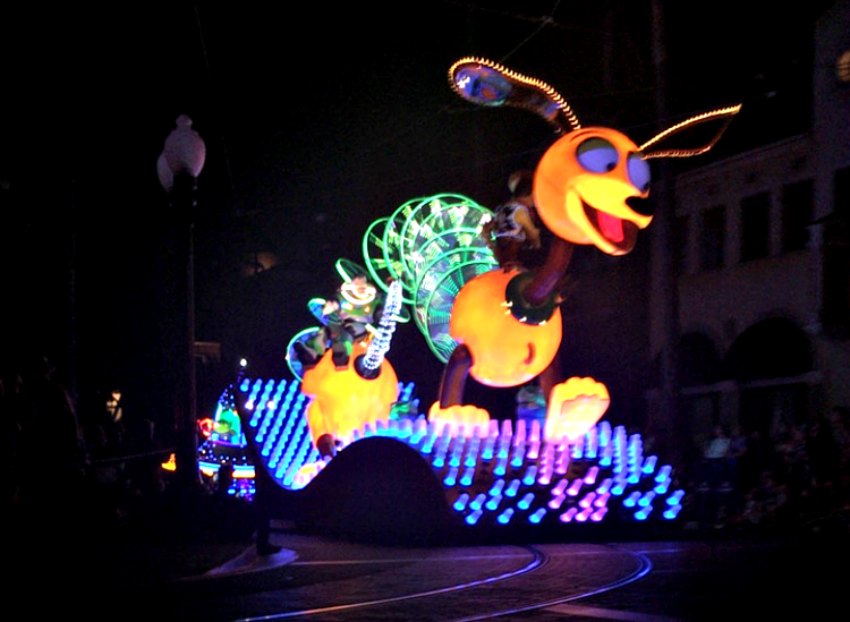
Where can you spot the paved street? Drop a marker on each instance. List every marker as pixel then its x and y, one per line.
pixel 196 561
pixel 324 579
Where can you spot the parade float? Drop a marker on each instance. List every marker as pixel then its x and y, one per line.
pixel 342 446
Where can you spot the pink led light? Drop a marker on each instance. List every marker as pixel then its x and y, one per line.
pixel 520 432
pixel 560 487
pixel 568 516
pixel 506 430
pixel 535 431
pixel 556 502
pixel 545 477
pixel 562 462
pixel 587 500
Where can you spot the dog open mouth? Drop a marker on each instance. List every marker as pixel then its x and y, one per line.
pixel 620 233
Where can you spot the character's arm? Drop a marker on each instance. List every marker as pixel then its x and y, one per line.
pixel 487 232
pixel 523 219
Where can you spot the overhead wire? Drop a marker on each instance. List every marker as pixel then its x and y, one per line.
pixel 543 22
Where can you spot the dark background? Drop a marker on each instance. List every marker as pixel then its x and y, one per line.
pixel 317 120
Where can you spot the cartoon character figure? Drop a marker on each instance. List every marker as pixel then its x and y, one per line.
pixel 363 389
pixel 589 187
pixel 346 319
pixel 514 230
pixel 359 306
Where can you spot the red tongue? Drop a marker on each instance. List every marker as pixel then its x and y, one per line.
pixel 611 227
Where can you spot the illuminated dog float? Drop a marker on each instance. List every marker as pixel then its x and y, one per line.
pixel 341 448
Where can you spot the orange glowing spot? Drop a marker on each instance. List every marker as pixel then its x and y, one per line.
pixel 342 400
pixel 574 406
pixel 460 419
pixel 205 426
pixel 306 473
pixel 505 351
pixel 170 464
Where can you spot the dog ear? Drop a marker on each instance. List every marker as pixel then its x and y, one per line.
pixel 693 130
pixel 487 83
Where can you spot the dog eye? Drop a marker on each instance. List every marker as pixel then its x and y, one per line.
pixel 638 171
pixel 597 155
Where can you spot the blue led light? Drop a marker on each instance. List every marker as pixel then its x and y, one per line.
pixel 467 477
pixel 649 465
pixel 646 499
pixel 537 516
pixel 451 477
pixel 676 498
pixel 497 487
pixel 460 502
pixel 663 473
pixel 526 501
pixel 472 518
pixel 631 500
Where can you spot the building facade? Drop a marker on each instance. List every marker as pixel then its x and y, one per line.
pixel 763 269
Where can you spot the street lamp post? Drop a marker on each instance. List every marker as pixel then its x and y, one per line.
pixel 178 169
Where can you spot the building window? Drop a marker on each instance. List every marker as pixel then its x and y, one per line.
pixel 755 230
pixel 713 237
pixel 835 314
pixel 797 209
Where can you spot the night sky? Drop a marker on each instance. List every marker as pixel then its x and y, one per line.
pixel 317 120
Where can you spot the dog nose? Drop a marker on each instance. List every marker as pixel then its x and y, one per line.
pixel 641 205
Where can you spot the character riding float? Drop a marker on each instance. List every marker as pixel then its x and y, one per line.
pixel 345 373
